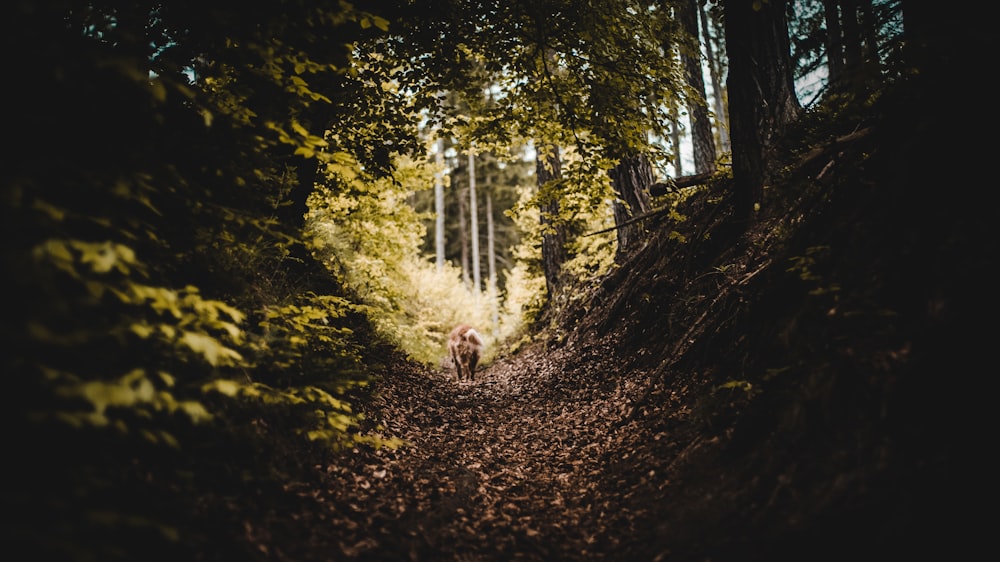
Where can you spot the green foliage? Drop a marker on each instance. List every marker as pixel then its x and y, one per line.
pixel 369 236
pixel 806 267
pixel 136 392
pixel 439 301
pixel 581 211
pixel 524 299
pixel 161 309
pixel 314 413
pixel 96 304
pixel 586 87
pixel 306 339
pixel 717 409
pixel 364 229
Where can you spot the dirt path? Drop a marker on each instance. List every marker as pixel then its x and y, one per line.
pixel 513 466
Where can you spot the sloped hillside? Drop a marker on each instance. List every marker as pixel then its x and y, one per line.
pixel 813 375
pixel 804 388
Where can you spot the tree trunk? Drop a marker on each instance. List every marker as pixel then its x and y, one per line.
pixel 491 259
pixel 834 42
pixel 761 90
pixel 491 256
pixel 869 30
pixel 675 142
pixel 439 206
pixel 718 96
pixel 631 179
pixel 463 236
pixel 702 139
pixel 852 35
pixel 548 167
pixel 474 224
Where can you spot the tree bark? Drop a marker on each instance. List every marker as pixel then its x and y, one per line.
pixel 718 96
pixel 491 255
pixel 675 141
pixel 834 42
pixel 631 179
pixel 548 167
pixel 762 99
pixel 474 224
pixel 439 206
pixel 869 30
pixel 702 139
pixel 852 35
pixel 463 236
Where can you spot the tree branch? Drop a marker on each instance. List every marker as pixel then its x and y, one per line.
pixel 660 188
pixel 833 145
pixel 673 184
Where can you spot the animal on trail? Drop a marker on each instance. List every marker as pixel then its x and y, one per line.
pixel 465 346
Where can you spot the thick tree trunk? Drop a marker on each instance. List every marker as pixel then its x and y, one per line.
pixel 869 30
pixel 762 99
pixel 631 179
pixel 548 167
pixel 852 35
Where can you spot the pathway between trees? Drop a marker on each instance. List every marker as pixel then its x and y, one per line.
pixel 525 463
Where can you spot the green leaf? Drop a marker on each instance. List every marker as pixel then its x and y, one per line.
pixel 208 347
pixel 195 411
pixel 223 386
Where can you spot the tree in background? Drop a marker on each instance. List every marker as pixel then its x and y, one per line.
pixel 716 68
pixel 702 136
pixel 439 215
pixel 567 78
pixel 848 43
pixel 477 278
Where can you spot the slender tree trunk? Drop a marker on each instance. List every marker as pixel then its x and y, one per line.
pixel 675 142
pixel 548 167
pixel 702 139
pixel 491 259
pixel 718 95
pixel 474 223
pixel 761 88
pixel 439 206
pixel 491 256
pixel 463 236
pixel 631 179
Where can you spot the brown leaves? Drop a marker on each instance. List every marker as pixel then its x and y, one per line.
pixel 514 465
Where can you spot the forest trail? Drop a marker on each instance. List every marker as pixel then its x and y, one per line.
pixel 520 464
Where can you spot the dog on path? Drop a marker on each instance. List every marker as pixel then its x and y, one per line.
pixel 465 346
